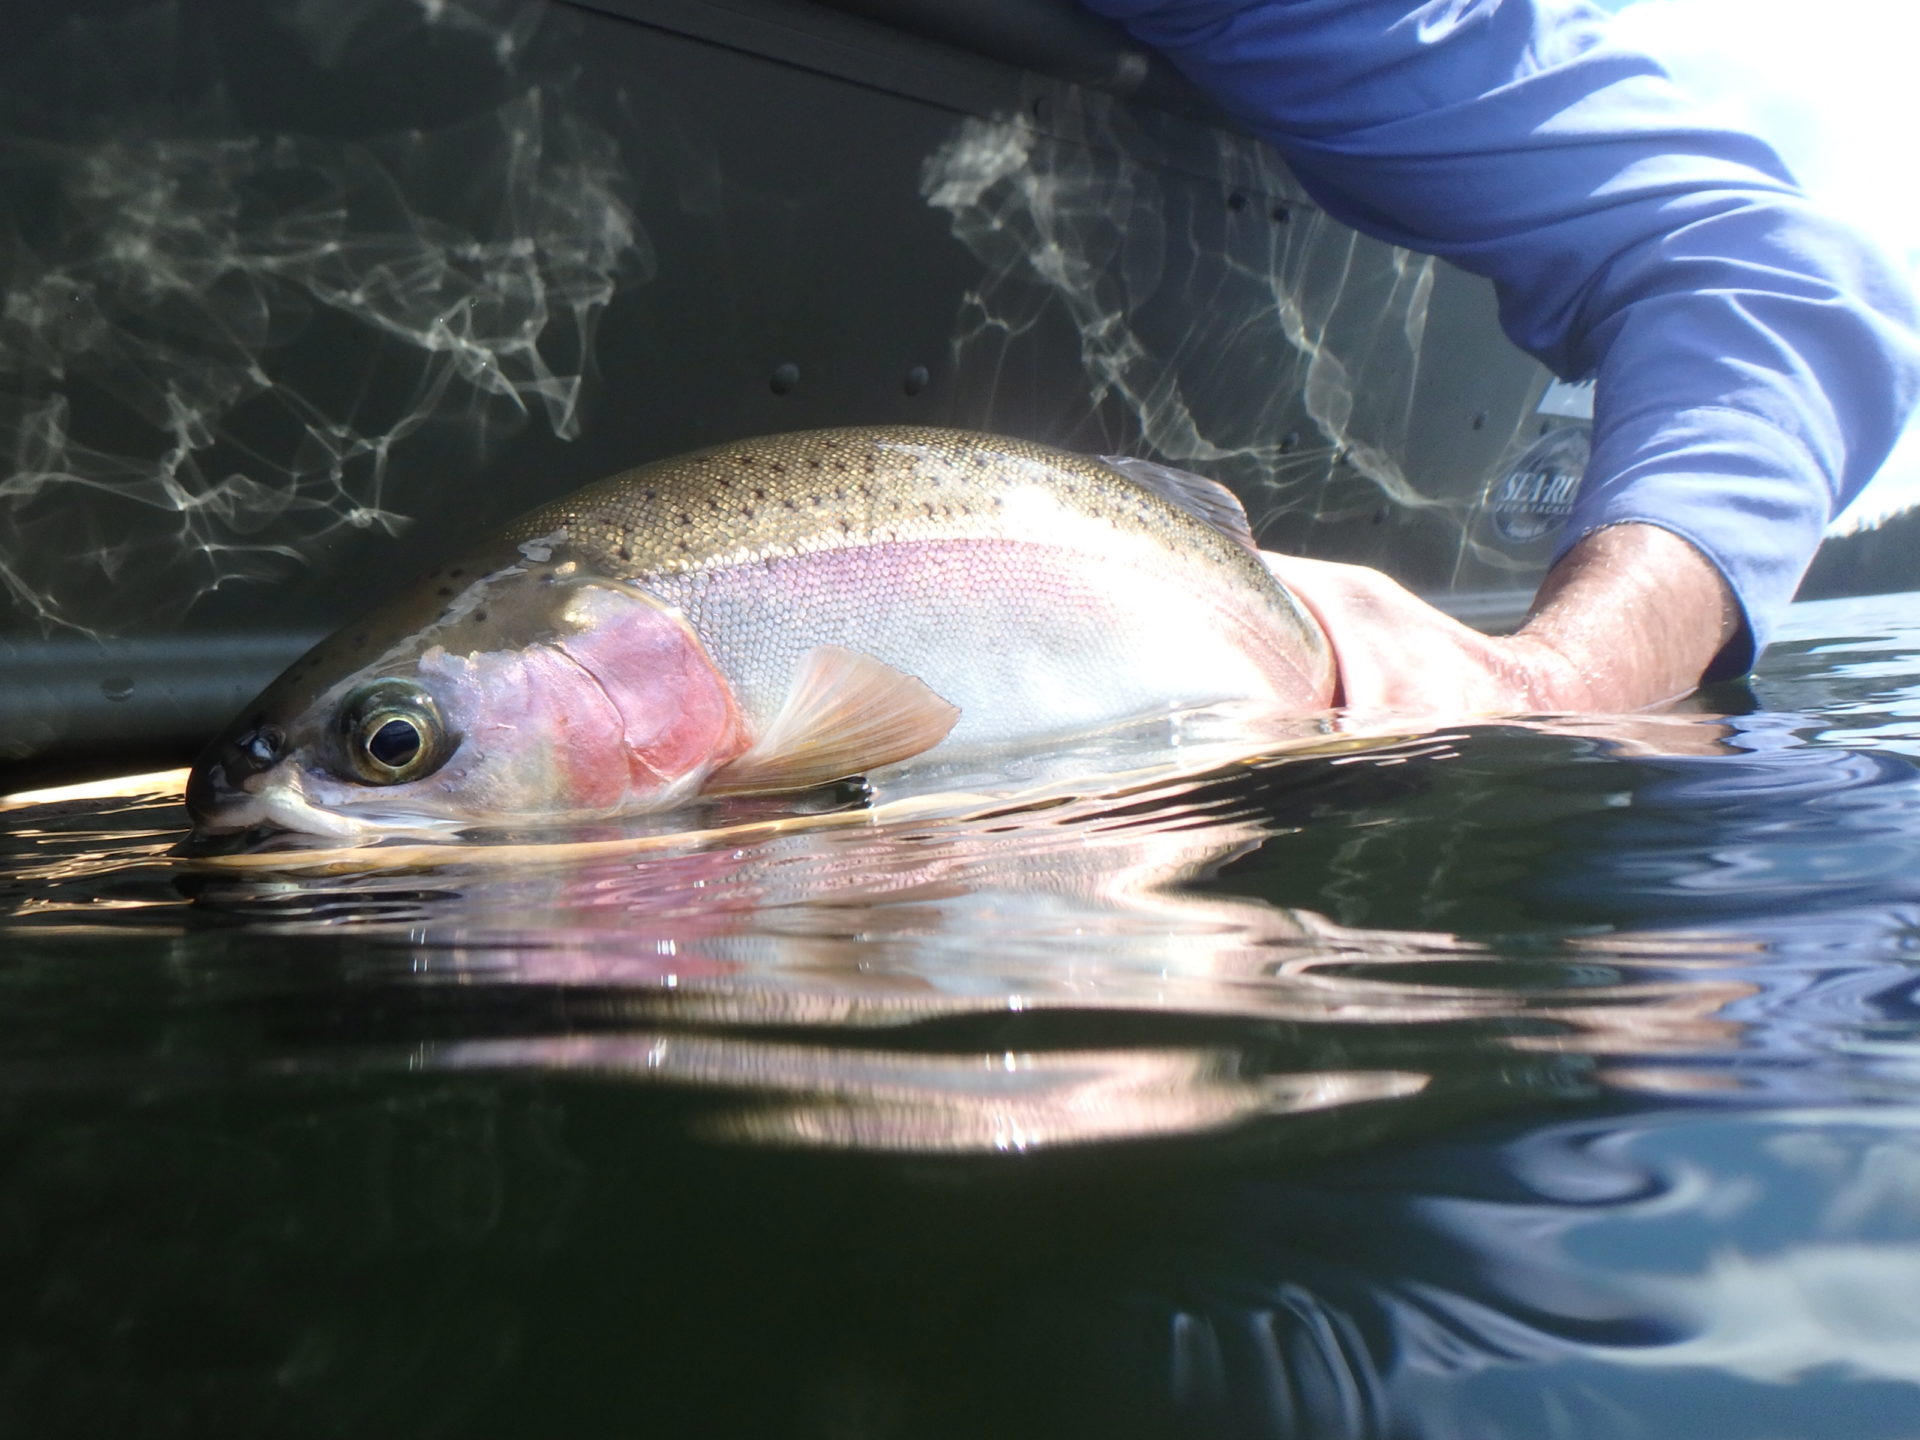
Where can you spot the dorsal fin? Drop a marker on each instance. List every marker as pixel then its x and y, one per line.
pixel 847 713
pixel 1206 500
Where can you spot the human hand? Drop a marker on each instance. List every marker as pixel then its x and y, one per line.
pixel 1630 617
pixel 1399 655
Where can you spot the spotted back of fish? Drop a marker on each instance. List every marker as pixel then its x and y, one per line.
pixel 817 490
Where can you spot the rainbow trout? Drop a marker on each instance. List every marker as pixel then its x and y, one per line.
pixel 770 615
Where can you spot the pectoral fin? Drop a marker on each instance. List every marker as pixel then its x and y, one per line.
pixel 846 714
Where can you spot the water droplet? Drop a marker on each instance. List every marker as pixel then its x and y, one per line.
pixel 117 687
pixel 916 380
pixel 784 378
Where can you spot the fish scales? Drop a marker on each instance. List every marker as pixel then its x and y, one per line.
pixel 827 489
pixel 766 614
pixel 1058 644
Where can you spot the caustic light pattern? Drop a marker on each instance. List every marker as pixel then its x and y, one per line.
pixel 1175 296
pixel 159 435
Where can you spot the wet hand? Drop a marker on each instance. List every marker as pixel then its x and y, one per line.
pixel 1399 655
pixel 1630 617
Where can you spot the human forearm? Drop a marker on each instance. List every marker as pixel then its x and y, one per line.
pixel 1636 614
pixel 1755 358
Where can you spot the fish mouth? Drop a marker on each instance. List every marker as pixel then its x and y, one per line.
pixel 217 805
pixel 272 809
pixel 226 785
pixel 264 802
pixel 228 812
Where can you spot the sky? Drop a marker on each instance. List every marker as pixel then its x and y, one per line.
pixel 1831 85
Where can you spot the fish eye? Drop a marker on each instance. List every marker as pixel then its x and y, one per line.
pixel 391 733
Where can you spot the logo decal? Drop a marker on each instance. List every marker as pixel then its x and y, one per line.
pixel 1534 498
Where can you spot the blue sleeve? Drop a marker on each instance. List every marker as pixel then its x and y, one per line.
pixel 1755 357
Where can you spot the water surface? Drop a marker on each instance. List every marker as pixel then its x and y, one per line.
pixel 1492 1082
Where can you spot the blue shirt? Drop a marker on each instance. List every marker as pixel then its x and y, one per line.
pixel 1755 357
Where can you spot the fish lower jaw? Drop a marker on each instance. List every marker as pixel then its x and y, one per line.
pixel 286 808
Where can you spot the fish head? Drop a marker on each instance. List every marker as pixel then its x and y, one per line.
pixel 536 692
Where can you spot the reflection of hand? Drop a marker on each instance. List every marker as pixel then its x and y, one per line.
pixel 1631 616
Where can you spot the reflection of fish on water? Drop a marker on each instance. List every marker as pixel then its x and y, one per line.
pixel 792 963
pixel 841 939
pixel 769 616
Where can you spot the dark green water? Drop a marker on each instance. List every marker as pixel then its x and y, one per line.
pixel 1504 1084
